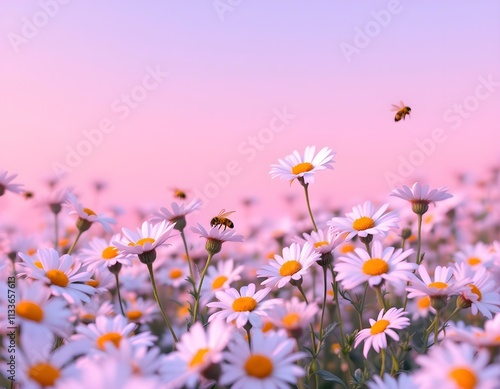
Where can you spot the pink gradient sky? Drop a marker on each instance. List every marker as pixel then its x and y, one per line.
pixel 225 79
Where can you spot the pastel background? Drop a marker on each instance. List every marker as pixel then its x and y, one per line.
pixel 66 65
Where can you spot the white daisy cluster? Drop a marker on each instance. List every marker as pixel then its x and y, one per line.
pixel 384 294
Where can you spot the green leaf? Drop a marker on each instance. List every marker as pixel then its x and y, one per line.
pixel 327 376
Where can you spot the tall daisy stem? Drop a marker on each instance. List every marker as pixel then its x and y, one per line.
pixel 306 189
pixel 56 228
pixel 198 291
pixel 325 290
pixel 75 242
pixel 380 297
pixel 119 294
pixel 157 298
pixel 436 326
pixel 419 238
pixel 382 363
pixel 191 274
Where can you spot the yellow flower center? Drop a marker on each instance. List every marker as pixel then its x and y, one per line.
pixel 44 373
pixel 379 327
pixel 57 277
pixel 31 252
pixel 259 366
pixel 302 168
pixel 175 273
pixel 363 223
pixel 474 289
pixel 63 242
pixel 30 310
pixel 244 304
pixel 89 212
pixel 87 317
pixel 143 241
pixel 290 267
pixel 438 285
pixel 474 261
pixel 218 282
pixel 428 219
pixel 109 252
pixel 291 320
pixel 134 315
pixel 464 378
pixel 113 337
pixel 268 326
pixel 38 264
pixel 424 302
pixel 321 243
pixel 375 267
pixel 199 357
pixel 93 283
pixel 347 248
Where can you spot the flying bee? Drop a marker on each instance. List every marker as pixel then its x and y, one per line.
pixel 179 193
pixel 402 111
pixel 222 220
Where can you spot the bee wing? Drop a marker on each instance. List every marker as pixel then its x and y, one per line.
pixel 223 213
pixel 402 104
pixel 395 107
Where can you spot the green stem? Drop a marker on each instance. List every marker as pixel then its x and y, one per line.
pixel 436 326
pixel 191 274
pixel 299 287
pixel 306 188
pixel 325 290
pixel 380 297
pixel 75 242
pixel 198 291
pixel 382 363
pixel 119 294
pixel 368 249
pixel 157 298
pixel 56 227
pixel 419 238
pixel 362 307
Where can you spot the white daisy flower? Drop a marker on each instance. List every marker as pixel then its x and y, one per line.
pixel 456 366
pixel 94 337
pixel 145 240
pixel 245 306
pixel 420 307
pixel 269 363
pixel 88 312
pixel 304 166
pixel 38 367
pixel 39 314
pixel 102 255
pixel 108 373
pixel 364 221
pixel 86 216
pixel 482 293
pixel 197 351
pixel 178 212
pixel 215 237
pixel 420 197
pixel 478 255
pixel 294 315
pixel 292 265
pixel 324 242
pixel 219 278
pixel 443 284
pixel 174 273
pixel 138 310
pixel 383 265
pixel 62 274
pixel 386 323
pixel 403 381
pixel 102 281
pixel 6 184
